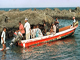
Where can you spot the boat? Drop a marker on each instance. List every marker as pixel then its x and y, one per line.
pixel 63 32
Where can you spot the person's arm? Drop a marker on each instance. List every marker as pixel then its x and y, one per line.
pixel 2 37
pixel 57 21
pixel 29 26
pixel 19 29
pixel 45 30
pixel 25 26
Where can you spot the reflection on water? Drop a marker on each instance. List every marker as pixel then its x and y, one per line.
pixel 3 55
pixel 62 49
pixel 65 49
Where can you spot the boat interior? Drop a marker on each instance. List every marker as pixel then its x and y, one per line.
pixel 64 28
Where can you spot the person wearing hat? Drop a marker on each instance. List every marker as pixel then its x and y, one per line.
pixel 74 21
pixel 27 28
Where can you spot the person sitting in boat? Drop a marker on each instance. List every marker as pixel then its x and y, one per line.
pixel 15 33
pixel 57 25
pixel 51 30
pixel 74 21
pixel 33 32
pixel 21 29
pixel 17 37
pixel 45 29
pixel 38 32
pixel 54 28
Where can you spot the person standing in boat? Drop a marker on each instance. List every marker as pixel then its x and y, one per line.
pixel 27 28
pixel 54 28
pixel 3 36
pixel 57 25
pixel 74 21
pixel 21 29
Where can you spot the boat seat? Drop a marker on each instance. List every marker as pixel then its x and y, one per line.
pixel 64 28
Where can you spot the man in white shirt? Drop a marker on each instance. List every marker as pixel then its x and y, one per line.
pixel 74 21
pixel 27 27
pixel 33 32
pixel 3 42
pixel 54 29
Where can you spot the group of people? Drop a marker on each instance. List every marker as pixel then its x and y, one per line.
pixel 53 30
pixel 17 33
pixel 23 29
pixel 35 32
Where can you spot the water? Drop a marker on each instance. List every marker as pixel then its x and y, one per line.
pixel 65 49
pixel 22 9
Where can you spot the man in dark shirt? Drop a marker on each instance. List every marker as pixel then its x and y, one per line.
pixel 45 28
pixel 57 25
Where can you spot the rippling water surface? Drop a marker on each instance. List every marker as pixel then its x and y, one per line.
pixel 65 49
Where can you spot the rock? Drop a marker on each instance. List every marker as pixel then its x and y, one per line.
pixel 56 9
pixel 14 10
pixel 10 19
pixel 77 8
pixel 70 10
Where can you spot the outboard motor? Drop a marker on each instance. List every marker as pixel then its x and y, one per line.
pixel 17 38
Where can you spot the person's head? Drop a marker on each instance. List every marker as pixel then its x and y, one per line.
pixel 34 27
pixel 4 29
pixel 73 17
pixel 44 24
pixel 71 24
pixel 56 19
pixel 26 20
pixel 19 22
pixel 37 26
